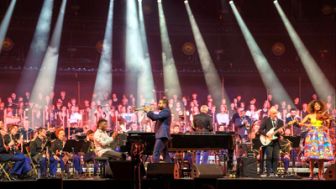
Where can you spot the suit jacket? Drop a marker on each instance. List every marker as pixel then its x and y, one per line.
pixel 267 125
pixel 203 122
pixel 56 146
pixel 241 126
pixel 163 120
pixel 35 146
pixel 4 154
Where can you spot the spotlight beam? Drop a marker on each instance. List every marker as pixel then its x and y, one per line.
pixel 171 80
pixel 37 48
pixel 132 47
pixel 320 83
pixel 266 72
pixel 210 73
pixel 145 80
pixel 46 78
pixel 5 22
pixel 103 84
pixel 139 79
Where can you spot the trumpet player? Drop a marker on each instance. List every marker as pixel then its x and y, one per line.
pixel 9 151
pixel 162 130
pixel 243 124
pixel 38 150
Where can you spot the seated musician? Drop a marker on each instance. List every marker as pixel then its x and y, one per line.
pixel 87 153
pixel 202 124
pixel 56 152
pixel 10 144
pixel 285 150
pixel 38 148
pixel 102 141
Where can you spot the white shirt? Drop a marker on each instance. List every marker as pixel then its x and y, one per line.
pixel 253 115
pixel 75 117
pixel 223 118
pixel 102 142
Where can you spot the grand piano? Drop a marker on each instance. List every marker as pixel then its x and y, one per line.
pixel 201 141
pixel 182 142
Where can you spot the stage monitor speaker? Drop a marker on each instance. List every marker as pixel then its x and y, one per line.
pixel 122 170
pixel 160 170
pixel 248 167
pixel 206 171
pixel 330 173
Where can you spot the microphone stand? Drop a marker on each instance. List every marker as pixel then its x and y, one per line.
pixel 73 161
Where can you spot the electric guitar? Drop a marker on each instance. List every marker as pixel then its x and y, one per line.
pixel 270 135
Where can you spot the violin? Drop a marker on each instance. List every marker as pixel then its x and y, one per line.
pixel 325 116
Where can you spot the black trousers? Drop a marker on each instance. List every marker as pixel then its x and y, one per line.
pixel 272 157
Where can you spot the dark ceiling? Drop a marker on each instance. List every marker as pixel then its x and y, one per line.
pixel 85 24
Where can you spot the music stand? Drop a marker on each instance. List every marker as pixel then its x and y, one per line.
pixel 256 144
pixel 295 143
pixel 295 140
pixel 73 146
pixel 85 146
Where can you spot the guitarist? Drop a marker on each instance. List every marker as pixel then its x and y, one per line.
pixel 272 150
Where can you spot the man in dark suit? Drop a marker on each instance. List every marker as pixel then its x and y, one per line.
pixel 202 121
pixel 272 150
pixel 243 124
pixel 162 130
pixel 202 124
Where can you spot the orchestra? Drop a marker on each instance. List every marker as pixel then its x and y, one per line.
pixel 36 146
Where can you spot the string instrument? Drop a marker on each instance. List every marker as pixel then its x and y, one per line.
pixel 270 135
pixel 324 116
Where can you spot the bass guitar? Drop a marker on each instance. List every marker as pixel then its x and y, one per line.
pixel 270 135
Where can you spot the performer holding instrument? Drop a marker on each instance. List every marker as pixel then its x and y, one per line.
pixel 56 152
pixel 162 130
pixel 270 129
pixel 318 145
pixel 10 149
pixel 103 141
pixel 39 150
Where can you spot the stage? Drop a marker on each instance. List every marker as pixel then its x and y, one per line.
pixel 232 183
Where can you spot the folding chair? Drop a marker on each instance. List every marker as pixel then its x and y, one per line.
pixel 3 172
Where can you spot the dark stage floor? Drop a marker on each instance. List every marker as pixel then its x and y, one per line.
pixel 231 183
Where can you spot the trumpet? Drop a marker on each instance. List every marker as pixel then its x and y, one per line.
pixel 143 108
pixel 139 109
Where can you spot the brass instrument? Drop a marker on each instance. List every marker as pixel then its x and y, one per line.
pixel 17 143
pixel 144 108
pixel 246 123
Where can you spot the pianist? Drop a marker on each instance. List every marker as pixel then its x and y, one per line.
pixel 202 124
